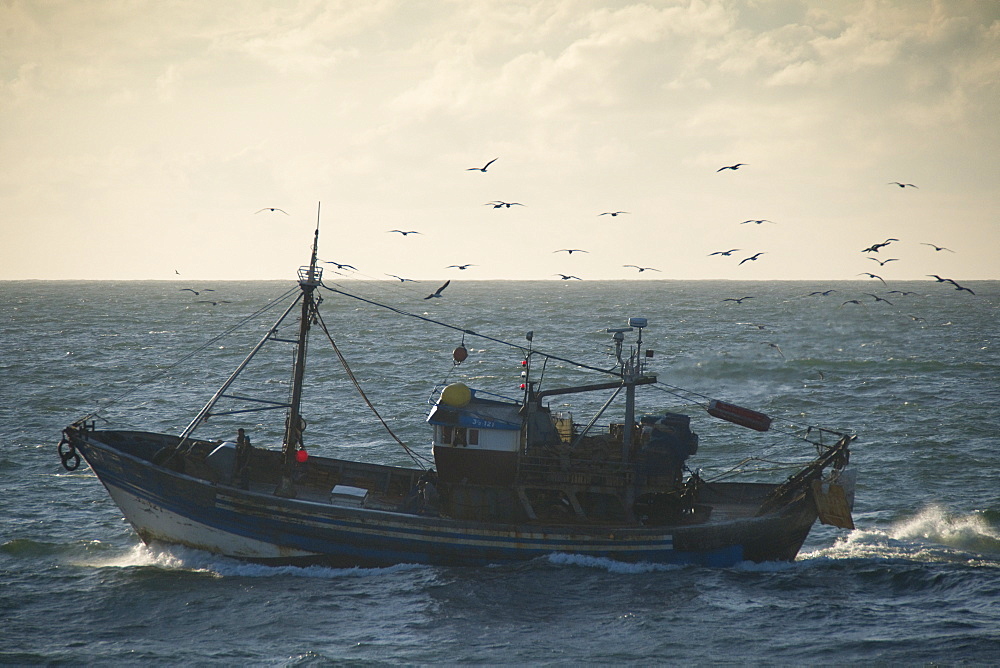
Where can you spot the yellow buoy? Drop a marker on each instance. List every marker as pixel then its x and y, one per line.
pixel 456 395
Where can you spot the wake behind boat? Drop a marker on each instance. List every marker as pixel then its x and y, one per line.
pixel 510 479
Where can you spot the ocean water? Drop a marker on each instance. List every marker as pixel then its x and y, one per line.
pixel 917 378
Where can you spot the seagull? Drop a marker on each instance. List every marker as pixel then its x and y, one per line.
pixel 177 272
pixel 189 290
pixel 758 222
pixel 901 292
pixel 732 167
pixel 405 232
pixel 752 257
pixel 727 253
pixel 641 269
pixel 775 346
pixel 738 300
pixel 881 263
pixel 401 279
pixel 498 204
pixel 936 247
pixel 463 267
pixel 939 279
pixel 570 250
pixel 483 168
pixel 611 213
pixel 850 301
pixel 865 273
pixel 822 292
pixel 209 301
pixel 901 185
pixel 874 247
pixel 341 266
pixel 959 287
pixel 879 299
pixel 272 209
pixel 916 318
pixel 437 293
pixel 566 277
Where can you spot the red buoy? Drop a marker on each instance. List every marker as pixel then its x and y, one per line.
pixel 460 354
pixel 739 415
pixel 301 456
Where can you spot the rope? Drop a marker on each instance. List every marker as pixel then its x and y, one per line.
pixel 162 371
pixel 470 332
pixel 419 460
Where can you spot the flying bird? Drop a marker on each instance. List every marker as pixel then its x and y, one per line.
pixel 879 299
pixel 936 247
pixel 875 247
pixel 758 222
pixel 611 213
pixel 775 346
pixel 959 287
pixel 865 273
pixel 500 204
pixel 189 290
pixel 939 279
pixel 641 269
pixel 405 232
pixel 401 279
pixel 272 209
pixel 821 292
pixel 881 263
pixel 752 257
pixel 209 301
pixel 901 292
pixel 341 266
pixel 727 253
pixel 437 293
pixel 732 167
pixel 570 250
pixel 738 300
pixel 566 277
pixel 901 185
pixel 483 168
pixel 463 267
pixel 850 301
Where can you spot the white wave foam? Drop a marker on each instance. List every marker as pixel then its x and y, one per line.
pixel 935 524
pixel 609 565
pixel 196 561
pixel 933 534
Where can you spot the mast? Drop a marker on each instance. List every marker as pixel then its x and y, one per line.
pixel 309 279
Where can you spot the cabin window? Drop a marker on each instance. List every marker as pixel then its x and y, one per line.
pixel 457 436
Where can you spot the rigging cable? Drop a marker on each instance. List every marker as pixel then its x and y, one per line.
pixel 666 387
pixel 159 372
pixel 417 459
pixel 469 331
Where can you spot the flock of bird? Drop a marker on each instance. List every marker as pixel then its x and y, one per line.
pixel 871 252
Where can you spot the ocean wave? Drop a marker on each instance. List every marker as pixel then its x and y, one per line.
pixel 181 559
pixel 932 535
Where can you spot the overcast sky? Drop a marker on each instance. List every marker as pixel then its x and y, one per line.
pixel 140 139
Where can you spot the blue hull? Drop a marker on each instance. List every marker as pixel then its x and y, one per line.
pixel 175 508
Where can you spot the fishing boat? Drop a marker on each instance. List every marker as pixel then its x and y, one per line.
pixel 499 479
